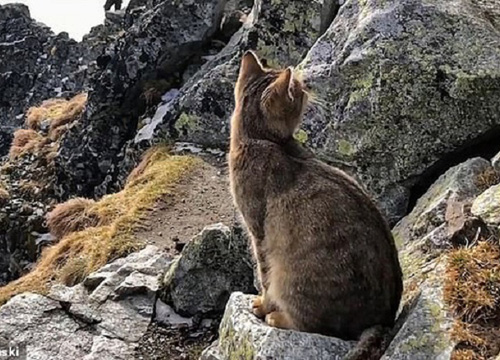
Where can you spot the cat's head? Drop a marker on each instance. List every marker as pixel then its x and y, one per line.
pixel 270 102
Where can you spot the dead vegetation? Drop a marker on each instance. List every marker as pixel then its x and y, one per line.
pixel 25 140
pixel 472 291
pixel 111 223
pixel 487 179
pixel 73 215
pixel 56 112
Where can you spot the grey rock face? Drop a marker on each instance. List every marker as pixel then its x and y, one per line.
pixel 213 265
pixel 97 320
pixel 391 76
pixel 280 32
pixel 442 219
pixel 155 47
pixel 242 335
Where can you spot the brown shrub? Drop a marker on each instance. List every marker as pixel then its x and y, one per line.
pixel 56 133
pixel 73 215
pixel 147 158
pixel 74 271
pixel 25 140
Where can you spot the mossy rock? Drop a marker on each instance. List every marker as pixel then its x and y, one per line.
pixel 403 84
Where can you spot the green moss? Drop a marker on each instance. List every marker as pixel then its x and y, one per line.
pixel 236 346
pixel 362 87
pixel 433 342
pixel 301 136
pixel 186 122
pixel 345 148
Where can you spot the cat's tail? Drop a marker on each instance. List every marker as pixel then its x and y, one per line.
pixel 371 345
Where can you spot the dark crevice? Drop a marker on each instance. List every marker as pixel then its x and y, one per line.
pixel 328 13
pixel 485 146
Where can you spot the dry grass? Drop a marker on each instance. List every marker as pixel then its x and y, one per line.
pixel 487 179
pixel 73 215
pixel 80 253
pixel 57 112
pixel 472 291
pixel 25 140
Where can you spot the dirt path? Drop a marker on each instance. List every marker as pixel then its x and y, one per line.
pixel 201 199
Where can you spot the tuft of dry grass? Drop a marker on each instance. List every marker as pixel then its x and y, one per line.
pixel 79 253
pixel 57 112
pixel 25 140
pixel 487 179
pixel 465 354
pixel 73 215
pixel 472 291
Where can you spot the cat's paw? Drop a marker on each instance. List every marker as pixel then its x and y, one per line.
pixel 258 307
pixel 279 319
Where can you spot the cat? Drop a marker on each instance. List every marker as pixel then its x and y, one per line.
pixel 326 258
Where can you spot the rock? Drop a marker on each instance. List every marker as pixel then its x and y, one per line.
pixel 213 265
pixel 36 65
pixel 426 331
pixel 279 31
pixel 147 58
pixel 166 316
pixel 424 234
pixel 487 206
pixel 390 76
pixel 459 184
pixel 47 330
pixel 243 336
pixel 496 162
pixel 79 321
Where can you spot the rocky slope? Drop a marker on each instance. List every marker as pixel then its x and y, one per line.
pixel 37 65
pixel 406 98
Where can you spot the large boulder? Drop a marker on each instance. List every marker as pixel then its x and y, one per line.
pixel 145 59
pixel 403 86
pixel 211 266
pixel 244 336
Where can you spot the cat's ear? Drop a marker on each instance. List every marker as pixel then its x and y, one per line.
pixel 250 66
pixel 283 85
